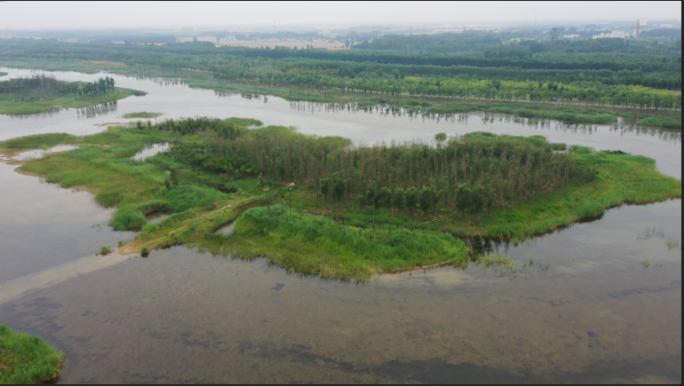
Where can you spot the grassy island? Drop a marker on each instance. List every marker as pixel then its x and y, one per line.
pixel 42 93
pixel 27 359
pixel 317 205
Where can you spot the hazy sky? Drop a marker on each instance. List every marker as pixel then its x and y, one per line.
pixel 72 15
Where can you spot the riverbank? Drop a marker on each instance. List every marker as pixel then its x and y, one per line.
pixel 296 226
pixel 575 113
pixel 27 359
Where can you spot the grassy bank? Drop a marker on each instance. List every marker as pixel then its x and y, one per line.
pixel 574 114
pixel 27 359
pixel 297 226
pixel 15 107
pixel 669 123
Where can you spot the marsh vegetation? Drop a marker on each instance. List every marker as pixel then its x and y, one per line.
pixel 27 359
pixel 322 206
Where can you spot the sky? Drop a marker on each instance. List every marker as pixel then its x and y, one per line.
pixel 95 15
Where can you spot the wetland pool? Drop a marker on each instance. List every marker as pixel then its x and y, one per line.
pixel 587 309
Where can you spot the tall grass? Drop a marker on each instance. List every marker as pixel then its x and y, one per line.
pixel 27 359
pixel 314 244
pixel 670 123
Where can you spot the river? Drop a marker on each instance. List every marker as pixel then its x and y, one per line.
pixel 600 302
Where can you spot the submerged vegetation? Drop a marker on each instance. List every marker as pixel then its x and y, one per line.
pixel 143 114
pixel 318 205
pixel 42 93
pixel 27 359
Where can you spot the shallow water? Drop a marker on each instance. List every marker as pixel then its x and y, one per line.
pixel 587 309
pixel 151 150
pixel 40 153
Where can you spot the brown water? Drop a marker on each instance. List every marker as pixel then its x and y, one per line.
pixel 600 303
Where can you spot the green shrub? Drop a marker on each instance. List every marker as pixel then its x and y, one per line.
pixel 581 149
pixel 126 219
pixel 186 197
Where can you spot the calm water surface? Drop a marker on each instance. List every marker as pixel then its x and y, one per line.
pixel 600 302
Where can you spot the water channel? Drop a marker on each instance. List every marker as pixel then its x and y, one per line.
pixel 600 301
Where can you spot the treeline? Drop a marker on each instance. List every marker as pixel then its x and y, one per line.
pixel 647 68
pixel 259 68
pixel 501 45
pixel 187 126
pixel 469 172
pixel 49 86
pixel 383 79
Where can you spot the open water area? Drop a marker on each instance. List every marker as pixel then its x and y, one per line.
pixel 596 302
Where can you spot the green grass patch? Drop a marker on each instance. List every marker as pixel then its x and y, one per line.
pixel 143 114
pixel 670 123
pixel 27 359
pixel 313 244
pixel 581 149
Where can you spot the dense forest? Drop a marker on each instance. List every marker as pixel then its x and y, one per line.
pixel 623 73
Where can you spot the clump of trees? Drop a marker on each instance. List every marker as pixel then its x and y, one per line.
pixel 191 126
pixel 100 86
pixel 39 87
pixel 468 172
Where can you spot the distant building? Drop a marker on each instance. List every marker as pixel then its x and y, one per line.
pixel 571 36
pixel 666 26
pixel 613 35
pixel 519 39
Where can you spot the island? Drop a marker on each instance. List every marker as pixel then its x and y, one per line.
pixel 318 205
pixel 41 93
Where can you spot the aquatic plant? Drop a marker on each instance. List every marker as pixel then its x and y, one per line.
pixel 651 231
pixel 143 114
pixel 106 250
pixel 144 251
pixel 27 359
pixel 502 263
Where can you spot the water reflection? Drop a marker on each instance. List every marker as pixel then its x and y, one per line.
pixel 96 110
pixel 39 153
pixel 151 150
